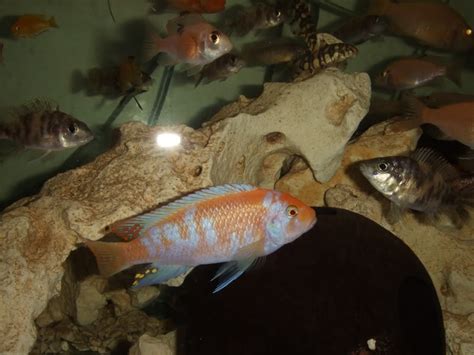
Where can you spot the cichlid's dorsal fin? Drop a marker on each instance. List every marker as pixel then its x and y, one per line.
pixel 37 105
pixel 436 162
pixel 177 24
pixel 132 228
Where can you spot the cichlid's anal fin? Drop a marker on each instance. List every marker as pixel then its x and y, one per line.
pixel 157 274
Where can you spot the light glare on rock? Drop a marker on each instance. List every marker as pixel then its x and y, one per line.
pixel 168 140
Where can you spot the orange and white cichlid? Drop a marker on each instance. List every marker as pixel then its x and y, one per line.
pixel 235 224
pixel 31 25
pixel 431 23
pixel 455 120
pixel 190 40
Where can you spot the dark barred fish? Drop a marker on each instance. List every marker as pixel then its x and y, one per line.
pixel 361 29
pixel 221 68
pixel 327 56
pixel 41 126
pixel 423 182
pixel 241 20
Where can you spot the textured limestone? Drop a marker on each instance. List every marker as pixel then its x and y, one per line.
pixel 160 345
pixel 313 119
pixel 90 300
pixel 446 254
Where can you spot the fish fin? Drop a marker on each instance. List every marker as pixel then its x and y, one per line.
pixel 199 80
pixel 395 213
pixel 111 257
pixel 453 73
pixel 156 274
pixel 413 108
pixel 41 157
pixel 436 162
pixel 232 270
pixel 52 22
pixel 126 231
pixel 189 69
pixel 175 24
pixel 144 220
pixel 152 45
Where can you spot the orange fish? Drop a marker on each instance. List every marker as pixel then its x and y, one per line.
pixel 455 120
pixel 235 224
pixel 190 40
pixel 31 25
pixel 431 23
pixel 198 6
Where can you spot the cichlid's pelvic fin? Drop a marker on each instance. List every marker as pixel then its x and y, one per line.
pixel 232 270
pixel 157 274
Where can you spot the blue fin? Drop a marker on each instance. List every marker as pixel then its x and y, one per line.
pixel 128 227
pixel 231 271
pixel 157 274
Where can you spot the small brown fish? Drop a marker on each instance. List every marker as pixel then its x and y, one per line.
pixel 31 25
pixel 221 68
pixel 361 29
pixel 454 120
pixel 41 126
pixel 431 23
pixel 261 16
pixel 411 72
pixel 118 80
pixel 421 182
pixel 270 52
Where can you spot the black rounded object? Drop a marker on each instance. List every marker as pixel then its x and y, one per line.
pixel 344 282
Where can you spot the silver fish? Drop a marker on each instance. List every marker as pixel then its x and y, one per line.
pixel 40 125
pixel 421 182
pixel 221 68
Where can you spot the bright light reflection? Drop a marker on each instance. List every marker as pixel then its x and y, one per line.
pixel 168 140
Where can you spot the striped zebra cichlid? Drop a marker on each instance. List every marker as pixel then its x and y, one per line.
pixel 235 224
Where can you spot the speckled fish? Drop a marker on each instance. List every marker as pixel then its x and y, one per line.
pixel 454 120
pixel 236 224
pixel 269 52
pixel 421 182
pixel 220 69
pixel 190 40
pixel 41 126
pixel 431 23
pixel 197 6
pixel 361 29
pixel 260 16
pixel 411 72
pixel 31 25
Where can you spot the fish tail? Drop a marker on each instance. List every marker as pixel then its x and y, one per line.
pixel 52 22
pixel 413 109
pixel 453 72
pixel 378 7
pixel 111 257
pixel 152 46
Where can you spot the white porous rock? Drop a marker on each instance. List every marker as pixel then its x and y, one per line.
pixel 159 345
pixel 312 119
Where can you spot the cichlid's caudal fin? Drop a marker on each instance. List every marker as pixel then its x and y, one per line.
pixel 157 274
pixel 152 45
pixel 111 257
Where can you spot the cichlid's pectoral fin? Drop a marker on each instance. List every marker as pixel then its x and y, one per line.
pixel 230 271
pixel 395 213
pixel 157 274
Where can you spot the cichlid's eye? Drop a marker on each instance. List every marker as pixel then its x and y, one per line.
pixel 468 32
pixel 277 13
pixel 72 128
pixel 215 37
pixel 385 73
pixel 292 211
pixel 383 166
